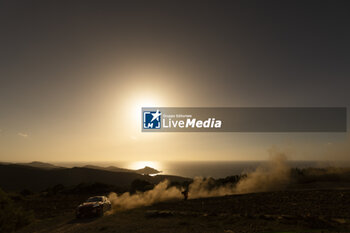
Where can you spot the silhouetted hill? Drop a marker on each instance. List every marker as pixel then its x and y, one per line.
pixel 110 168
pixel 41 165
pixel 146 170
pixel 16 177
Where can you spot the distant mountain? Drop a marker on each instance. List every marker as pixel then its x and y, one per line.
pixel 110 168
pixel 145 171
pixel 41 165
pixel 16 177
pixel 4 163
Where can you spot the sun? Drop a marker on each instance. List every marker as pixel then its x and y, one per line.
pixel 133 112
pixel 141 164
pixel 138 103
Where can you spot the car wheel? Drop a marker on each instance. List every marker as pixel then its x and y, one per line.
pixel 100 212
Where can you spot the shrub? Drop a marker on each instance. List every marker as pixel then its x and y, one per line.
pixel 141 185
pixel 12 217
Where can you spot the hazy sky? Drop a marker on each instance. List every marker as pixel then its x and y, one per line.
pixel 74 75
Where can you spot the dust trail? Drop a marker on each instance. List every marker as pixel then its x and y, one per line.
pixel 205 187
pixel 274 175
pixel 159 193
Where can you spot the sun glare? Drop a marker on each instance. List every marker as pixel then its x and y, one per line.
pixel 136 104
pixel 134 107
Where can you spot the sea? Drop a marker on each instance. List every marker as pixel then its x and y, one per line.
pixel 215 169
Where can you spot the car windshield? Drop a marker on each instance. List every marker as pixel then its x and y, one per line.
pixel 94 199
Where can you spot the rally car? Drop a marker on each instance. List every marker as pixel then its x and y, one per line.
pixel 93 206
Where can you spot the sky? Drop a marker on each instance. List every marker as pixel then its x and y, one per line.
pixel 74 76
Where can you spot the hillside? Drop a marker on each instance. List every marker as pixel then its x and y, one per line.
pixel 284 211
pixel 315 200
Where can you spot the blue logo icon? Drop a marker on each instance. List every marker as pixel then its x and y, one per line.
pixel 151 119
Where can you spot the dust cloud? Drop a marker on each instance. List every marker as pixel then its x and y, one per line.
pixel 270 176
pixel 274 175
pixel 205 187
pixel 159 193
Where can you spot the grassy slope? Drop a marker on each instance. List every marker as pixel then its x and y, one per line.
pixel 285 211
